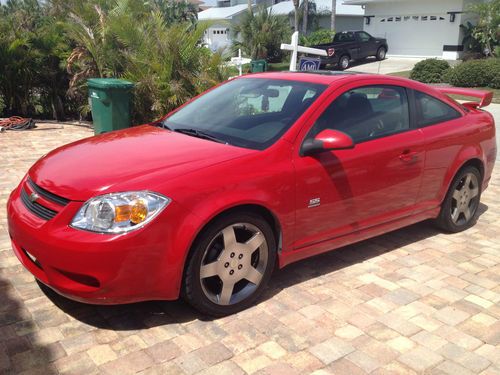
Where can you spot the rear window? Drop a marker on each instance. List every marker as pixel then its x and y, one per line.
pixel 432 111
pixel 344 37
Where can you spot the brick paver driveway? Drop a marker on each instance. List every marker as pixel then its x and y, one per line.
pixel 414 300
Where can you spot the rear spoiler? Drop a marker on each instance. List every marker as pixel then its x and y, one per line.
pixel 485 96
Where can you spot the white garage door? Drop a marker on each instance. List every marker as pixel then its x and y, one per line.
pixel 411 35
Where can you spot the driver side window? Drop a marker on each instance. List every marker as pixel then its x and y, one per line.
pixel 366 113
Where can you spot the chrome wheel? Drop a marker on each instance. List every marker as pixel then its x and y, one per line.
pixel 233 264
pixel 381 53
pixel 344 62
pixel 465 199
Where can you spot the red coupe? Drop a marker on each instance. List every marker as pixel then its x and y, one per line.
pixel 259 172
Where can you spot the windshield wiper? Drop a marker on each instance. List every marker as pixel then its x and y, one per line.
pixel 199 134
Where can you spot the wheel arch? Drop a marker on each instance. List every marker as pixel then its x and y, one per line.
pixel 473 160
pixel 255 208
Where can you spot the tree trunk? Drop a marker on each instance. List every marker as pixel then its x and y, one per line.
pixel 334 11
pixel 306 14
pixel 296 15
pixel 249 5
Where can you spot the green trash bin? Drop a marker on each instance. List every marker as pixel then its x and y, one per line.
pixel 110 101
pixel 259 66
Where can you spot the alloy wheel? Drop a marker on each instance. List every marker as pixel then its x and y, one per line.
pixel 465 199
pixel 233 264
pixel 344 62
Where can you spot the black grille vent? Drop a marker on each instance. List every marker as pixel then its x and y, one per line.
pixel 36 208
pixel 47 194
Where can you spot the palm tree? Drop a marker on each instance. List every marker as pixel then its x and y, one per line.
pixel 296 4
pixel 334 12
pixel 306 15
pixel 260 34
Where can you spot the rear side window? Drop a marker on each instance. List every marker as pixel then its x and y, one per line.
pixel 432 111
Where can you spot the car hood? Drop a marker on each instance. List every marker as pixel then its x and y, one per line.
pixel 130 159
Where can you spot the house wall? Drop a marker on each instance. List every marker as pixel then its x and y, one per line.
pixel 417 28
pixel 342 23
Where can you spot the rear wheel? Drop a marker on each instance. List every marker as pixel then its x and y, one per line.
pixel 459 209
pixel 344 62
pixel 230 264
pixel 381 53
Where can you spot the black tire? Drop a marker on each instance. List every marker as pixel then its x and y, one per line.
pixel 195 289
pixel 381 53
pixel 451 204
pixel 344 62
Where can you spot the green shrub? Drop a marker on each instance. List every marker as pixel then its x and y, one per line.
pixel 430 71
pixel 475 73
pixel 320 36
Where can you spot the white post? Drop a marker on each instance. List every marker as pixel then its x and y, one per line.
pixel 295 48
pixel 239 62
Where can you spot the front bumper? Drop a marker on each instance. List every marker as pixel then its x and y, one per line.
pixel 145 264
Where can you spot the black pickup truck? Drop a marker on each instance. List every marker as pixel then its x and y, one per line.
pixel 352 45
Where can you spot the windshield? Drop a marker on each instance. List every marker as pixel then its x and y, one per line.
pixel 251 112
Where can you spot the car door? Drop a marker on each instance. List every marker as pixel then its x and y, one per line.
pixel 344 191
pixel 367 44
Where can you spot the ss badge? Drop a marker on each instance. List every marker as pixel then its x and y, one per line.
pixel 314 202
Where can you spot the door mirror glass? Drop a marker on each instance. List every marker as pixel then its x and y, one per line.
pixel 327 140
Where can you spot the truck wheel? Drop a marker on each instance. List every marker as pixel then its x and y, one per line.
pixel 459 208
pixel 344 62
pixel 381 53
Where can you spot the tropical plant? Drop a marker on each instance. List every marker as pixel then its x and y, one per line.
pixel 260 34
pixel 487 30
pixel 32 47
pixel 177 11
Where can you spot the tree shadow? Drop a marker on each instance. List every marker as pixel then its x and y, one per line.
pixel 156 313
pixel 19 351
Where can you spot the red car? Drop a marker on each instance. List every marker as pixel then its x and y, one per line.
pixel 260 172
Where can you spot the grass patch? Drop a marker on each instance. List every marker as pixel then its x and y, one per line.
pixel 496 95
pixel 404 74
pixel 496 92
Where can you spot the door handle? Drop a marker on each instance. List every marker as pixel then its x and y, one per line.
pixel 408 156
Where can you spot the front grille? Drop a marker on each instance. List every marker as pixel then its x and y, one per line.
pixel 47 194
pixel 36 208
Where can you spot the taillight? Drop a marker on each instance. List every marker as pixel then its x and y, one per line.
pixel 330 51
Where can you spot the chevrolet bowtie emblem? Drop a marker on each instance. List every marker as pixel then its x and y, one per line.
pixel 33 197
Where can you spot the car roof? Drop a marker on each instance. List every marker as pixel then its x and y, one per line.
pixel 327 77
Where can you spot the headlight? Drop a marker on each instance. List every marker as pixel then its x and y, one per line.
pixel 119 212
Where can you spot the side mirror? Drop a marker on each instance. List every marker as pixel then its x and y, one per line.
pixel 327 140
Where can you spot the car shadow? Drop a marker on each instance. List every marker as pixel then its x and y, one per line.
pixel 143 315
pixel 18 352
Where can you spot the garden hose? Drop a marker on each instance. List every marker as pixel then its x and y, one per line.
pixel 16 123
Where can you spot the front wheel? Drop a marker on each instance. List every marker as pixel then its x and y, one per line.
pixel 459 207
pixel 230 264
